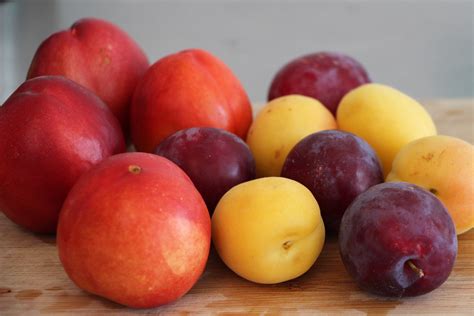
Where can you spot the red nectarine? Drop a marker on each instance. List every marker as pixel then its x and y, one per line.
pixel 98 55
pixel 135 230
pixel 51 131
pixel 191 88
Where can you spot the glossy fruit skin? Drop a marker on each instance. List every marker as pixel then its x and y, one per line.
pixel 444 165
pixel 187 89
pixel 134 230
pixel 390 224
pixel 52 130
pixel 268 230
pixel 325 76
pixel 214 159
pixel 336 167
pixel 99 56
pixel 385 118
pixel 282 123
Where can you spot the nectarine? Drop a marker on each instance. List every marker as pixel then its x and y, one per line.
pixel 191 88
pixel 51 131
pixel 98 55
pixel 134 230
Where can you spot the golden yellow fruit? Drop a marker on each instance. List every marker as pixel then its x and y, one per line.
pixel 385 117
pixel 280 125
pixel 268 230
pixel 443 165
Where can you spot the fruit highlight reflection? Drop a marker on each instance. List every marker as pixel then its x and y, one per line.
pixel 397 239
pixel 134 227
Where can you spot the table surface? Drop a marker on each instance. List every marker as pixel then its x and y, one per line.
pixel 32 280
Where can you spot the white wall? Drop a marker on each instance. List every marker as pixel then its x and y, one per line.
pixel 424 48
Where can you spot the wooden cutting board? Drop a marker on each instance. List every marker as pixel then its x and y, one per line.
pixel 32 280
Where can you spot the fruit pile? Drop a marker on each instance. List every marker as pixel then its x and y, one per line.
pixel 331 153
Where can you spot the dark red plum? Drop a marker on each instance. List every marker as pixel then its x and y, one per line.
pixel 336 167
pixel 397 239
pixel 324 76
pixel 214 159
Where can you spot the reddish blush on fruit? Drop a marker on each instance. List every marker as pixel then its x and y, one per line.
pixel 52 130
pixel 134 230
pixel 187 89
pixel 99 56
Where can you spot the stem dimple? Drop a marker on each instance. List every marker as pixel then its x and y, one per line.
pixel 415 269
pixel 287 244
pixel 134 169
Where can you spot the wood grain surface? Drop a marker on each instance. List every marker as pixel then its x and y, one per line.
pixel 32 280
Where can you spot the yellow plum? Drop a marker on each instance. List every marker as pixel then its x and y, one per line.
pixel 443 165
pixel 268 230
pixel 385 117
pixel 281 124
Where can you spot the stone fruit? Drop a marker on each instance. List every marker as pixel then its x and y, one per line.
pixel 187 89
pixel 324 76
pixel 98 55
pixel 445 166
pixel 281 124
pixel 268 230
pixel 336 167
pixel 52 130
pixel 397 239
pixel 386 118
pixel 214 159
pixel 134 230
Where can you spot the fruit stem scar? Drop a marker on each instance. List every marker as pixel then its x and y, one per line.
pixel 287 244
pixel 434 191
pixel 415 269
pixel 134 169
